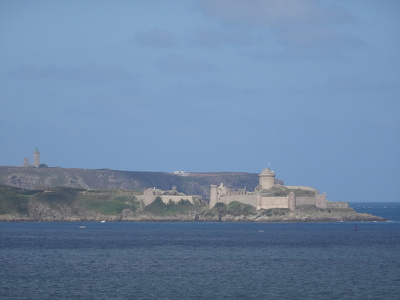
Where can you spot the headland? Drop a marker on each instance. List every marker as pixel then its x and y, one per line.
pixel 42 194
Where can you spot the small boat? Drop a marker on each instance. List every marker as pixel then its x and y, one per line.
pixel 82 226
pixel 355 228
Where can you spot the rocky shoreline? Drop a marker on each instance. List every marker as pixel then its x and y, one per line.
pixel 80 205
pixel 290 217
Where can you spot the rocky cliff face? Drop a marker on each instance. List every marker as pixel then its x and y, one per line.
pixel 195 184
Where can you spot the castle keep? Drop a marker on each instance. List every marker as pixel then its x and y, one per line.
pixel 268 195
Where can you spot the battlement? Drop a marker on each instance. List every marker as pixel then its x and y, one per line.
pixel 267 172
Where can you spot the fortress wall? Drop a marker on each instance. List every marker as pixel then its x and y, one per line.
pixel 305 201
pixel 320 201
pixel 246 199
pixel 274 202
pixel 175 198
pixel 147 198
pixel 305 188
pixel 222 200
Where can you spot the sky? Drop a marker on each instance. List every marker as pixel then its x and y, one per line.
pixel 309 88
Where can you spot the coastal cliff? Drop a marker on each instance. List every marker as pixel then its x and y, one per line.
pixel 77 204
pixel 194 184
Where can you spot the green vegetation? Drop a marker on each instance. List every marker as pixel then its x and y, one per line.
pixel 282 191
pixel 274 212
pixel 60 195
pixel 236 208
pixel 106 202
pixel 113 206
pixel 159 208
pixel 75 204
pixel 13 200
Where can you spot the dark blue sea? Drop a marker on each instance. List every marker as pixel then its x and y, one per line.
pixel 201 260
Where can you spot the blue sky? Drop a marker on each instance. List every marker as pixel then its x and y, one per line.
pixel 311 87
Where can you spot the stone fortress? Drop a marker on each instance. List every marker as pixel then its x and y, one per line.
pixel 36 160
pixel 269 195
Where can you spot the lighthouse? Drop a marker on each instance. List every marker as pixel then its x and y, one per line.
pixel 36 158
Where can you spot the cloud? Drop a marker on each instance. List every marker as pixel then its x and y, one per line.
pixel 295 54
pixel 323 37
pixel 178 63
pixel 84 72
pixel 156 37
pixel 292 23
pixel 275 13
pixel 214 38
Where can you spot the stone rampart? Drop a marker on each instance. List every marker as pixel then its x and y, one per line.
pixel 305 201
pixel 320 201
pixel 246 199
pixel 305 188
pixel 146 198
pixel 273 202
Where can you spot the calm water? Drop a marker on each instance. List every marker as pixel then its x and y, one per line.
pixel 388 210
pixel 199 261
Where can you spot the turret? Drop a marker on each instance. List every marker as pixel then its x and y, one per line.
pixel 266 179
pixel 213 195
pixel 36 158
pixel 292 201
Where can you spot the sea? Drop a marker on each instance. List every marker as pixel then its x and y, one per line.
pixel 203 260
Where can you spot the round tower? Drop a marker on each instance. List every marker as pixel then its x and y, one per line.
pixel 292 201
pixel 36 158
pixel 213 195
pixel 266 179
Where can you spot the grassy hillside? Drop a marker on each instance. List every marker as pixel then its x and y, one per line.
pixel 14 200
pixel 77 203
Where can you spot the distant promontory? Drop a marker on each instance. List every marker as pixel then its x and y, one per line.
pixel 58 194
